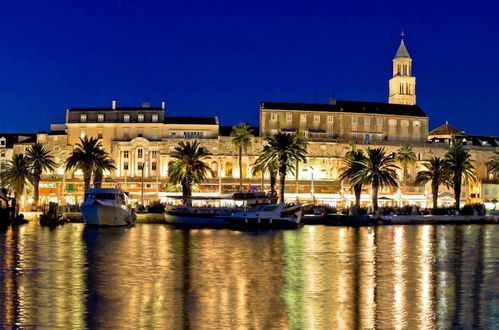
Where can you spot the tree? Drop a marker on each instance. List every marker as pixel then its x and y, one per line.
pixel 406 157
pixel 241 138
pixel 103 163
pixel 264 164
pixel 378 170
pixel 493 164
pixel 459 166
pixel 17 175
pixel 188 167
pixel 284 150
pixel 436 173
pixel 301 140
pixel 352 162
pixel 85 156
pixel 39 159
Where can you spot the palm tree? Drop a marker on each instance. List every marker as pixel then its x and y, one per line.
pixel 263 164
pixel 405 156
pixel 17 175
pixel 189 167
pixel 241 138
pixel 104 163
pixel 459 165
pixel 378 170
pixel 284 150
pixel 301 140
pixel 353 160
pixel 493 164
pixel 39 159
pixel 436 173
pixel 85 156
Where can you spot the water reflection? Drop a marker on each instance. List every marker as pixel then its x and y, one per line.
pixel 318 277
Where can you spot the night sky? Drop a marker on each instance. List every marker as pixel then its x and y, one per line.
pixel 207 58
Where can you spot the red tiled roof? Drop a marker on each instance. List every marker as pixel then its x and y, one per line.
pixel 445 129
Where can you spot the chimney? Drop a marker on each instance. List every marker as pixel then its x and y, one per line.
pixel 113 104
pixel 163 105
pixel 332 101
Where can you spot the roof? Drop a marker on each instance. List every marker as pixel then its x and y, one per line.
pixel 192 120
pixel 402 51
pixel 13 138
pixel 445 129
pixel 350 106
pixel 480 140
pixel 117 109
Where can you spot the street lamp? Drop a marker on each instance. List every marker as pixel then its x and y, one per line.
pixel 312 187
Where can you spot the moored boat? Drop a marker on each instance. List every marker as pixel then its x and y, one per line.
pixel 267 215
pixel 106 207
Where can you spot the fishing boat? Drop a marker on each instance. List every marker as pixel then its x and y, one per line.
pixel 267 215
pixel 106 207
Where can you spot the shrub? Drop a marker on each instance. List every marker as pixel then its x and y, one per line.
pixel 156 207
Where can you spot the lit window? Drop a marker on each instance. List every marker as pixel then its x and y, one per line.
pixel 126 118
pixel 303 118
pixel 354 120
pixel 379 121
pixel 392 122
pixel 154 118
pixel 100 118
pixel 83 118
pixel 173 135
pixel 140 118
pixel 317 118
pixel 404 123
pixel 154 153
pixel 367 121
pixel 330 119
pixel 83 133
pixel 273 116
pixel 416 123
pixel 289 117
pixel 140 153
pixel 125 154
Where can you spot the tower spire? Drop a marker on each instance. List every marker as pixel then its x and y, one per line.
pixel 403 84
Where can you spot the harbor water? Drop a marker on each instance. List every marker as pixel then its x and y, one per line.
pixel 316 277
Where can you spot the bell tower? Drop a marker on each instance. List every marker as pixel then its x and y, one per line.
pixel 402 85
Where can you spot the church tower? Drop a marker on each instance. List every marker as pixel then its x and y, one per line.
pixel 402 85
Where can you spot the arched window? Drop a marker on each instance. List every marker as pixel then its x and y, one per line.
pixel 214 169
pixel 228 169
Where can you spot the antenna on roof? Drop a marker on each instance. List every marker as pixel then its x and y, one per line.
pixel 402 34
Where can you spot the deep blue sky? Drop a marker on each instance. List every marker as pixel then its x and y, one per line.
pixel 213 57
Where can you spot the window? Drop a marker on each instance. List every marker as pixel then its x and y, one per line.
pixel 330 119
pixel 139 166
pixel 126 118
pixel 228 169
pixel 303 118
pixel 354 136
pixel 392 122
pixel 125 166
pixel 2 154
pixel 398 69
pixel 173 135
pixel 154 118
pixel 140 132
pixel 154 153
pixel 2 142
pixel 273 116
pixel 367 121
pixel 100 118
pixel 140 153
pixel 83 118
pixel 289 117
pixel 153 166
pixel 379 121
pixel 317 118
pixel 404 123
pixel 140 118
pixel 214 169
pixel 354 120
pixel 416 123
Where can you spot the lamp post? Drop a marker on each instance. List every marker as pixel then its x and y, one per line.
pixel 312 187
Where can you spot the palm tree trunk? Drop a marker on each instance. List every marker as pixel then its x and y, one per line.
pixel 375 197
pixel 87 176
pixel 282 179
pixel 434 190
pixel 296 177
pixel 98 175
pixel 357 189
pixel 457 189
pixel 273 180
pixel 240 168
pixel 36 189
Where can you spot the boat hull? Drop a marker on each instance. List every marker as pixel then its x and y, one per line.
pixel 106 214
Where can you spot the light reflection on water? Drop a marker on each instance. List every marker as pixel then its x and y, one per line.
pixel 317 277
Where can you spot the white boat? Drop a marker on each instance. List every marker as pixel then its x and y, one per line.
pixel 267 215
pixel 106 207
